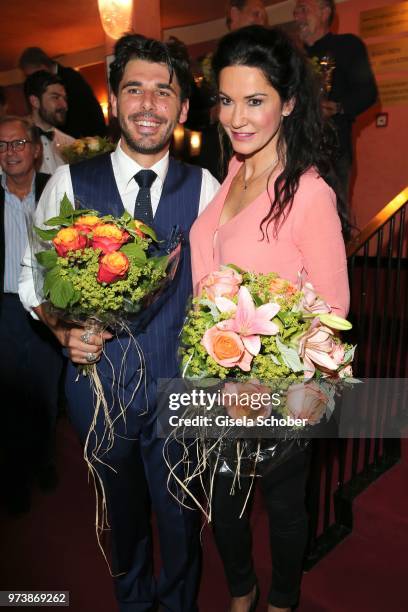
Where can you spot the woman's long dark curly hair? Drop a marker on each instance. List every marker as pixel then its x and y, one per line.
pixel 306 140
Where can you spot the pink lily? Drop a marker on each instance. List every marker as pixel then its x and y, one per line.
pixel 249 321
pixel 311 302
pixel 225 304
pixel 316 347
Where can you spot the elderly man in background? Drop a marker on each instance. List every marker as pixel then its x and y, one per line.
pixel 241 13
pixel 85 117
pixel 47 98
pixel 30 361
pixel 347 78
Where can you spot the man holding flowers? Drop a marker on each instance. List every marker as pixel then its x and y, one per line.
pixel 150 84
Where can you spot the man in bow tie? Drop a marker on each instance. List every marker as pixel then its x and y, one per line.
pixel 85 117
pixel 47 99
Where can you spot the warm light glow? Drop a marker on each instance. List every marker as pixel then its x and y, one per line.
pixel 178 137
pixel 195 143
pixel 115 16
pixel 105 108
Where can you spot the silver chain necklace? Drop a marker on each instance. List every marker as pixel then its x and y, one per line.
pixel 252 180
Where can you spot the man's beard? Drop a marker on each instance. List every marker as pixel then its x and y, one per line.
pixel 53 118
pixel 140 146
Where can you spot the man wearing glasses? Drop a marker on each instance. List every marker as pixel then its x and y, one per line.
pixel 30 363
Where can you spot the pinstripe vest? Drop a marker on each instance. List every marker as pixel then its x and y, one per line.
pixel 94 187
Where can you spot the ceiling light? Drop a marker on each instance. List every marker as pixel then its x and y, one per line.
pixel 116 16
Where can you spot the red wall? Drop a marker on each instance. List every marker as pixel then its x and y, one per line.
pixel 95 75
pixel 381 159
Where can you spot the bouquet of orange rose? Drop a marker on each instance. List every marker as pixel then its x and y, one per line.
pixel 100 268
pixel 104 272
pixel 267 359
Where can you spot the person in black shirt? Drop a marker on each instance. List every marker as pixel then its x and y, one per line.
pixel 85 116
pixel 349 82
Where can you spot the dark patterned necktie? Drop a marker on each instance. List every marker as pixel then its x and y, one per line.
pixel 143 205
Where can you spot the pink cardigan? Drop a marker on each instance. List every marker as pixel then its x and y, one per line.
pixel 308 242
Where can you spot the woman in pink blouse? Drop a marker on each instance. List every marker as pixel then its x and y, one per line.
pixel 274 213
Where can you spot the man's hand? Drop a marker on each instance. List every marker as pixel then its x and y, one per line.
pixel 84 346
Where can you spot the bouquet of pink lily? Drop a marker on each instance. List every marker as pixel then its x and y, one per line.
pixel 254 336
pixel 260 326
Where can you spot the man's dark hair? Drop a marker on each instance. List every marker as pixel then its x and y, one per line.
pixel 331 5
pixel 239 4
pixel 136 46
pixel 31 130
pixel 34 56
pixel 36 84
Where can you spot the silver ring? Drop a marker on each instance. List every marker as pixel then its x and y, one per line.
pixel 90 357
pixel 86 336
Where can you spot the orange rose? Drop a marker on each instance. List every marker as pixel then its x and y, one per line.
pixel 69 239
pixel 138 231
pixel 108 237
pixel 78 145
pixel 280 285
pixel 226 348
pixel 86 223
pixel 112 267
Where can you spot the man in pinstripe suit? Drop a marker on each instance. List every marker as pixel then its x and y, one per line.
pixel 150 84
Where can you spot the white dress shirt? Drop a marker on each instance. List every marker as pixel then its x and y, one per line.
pixel 124 169
pixel 51 150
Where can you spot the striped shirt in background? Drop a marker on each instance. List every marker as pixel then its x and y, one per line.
pixel 15 233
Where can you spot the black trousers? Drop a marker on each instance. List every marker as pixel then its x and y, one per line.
pixel 135 478
pixel 283 491
pixel 30 370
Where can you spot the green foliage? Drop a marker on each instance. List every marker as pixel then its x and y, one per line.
pixel 47 259
pixel 149 231
pixel 135 253
pixel 46 234
pixel 160 262
pixel 62 293
pixel 126 218
pixel 66 208
pixel 50 279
